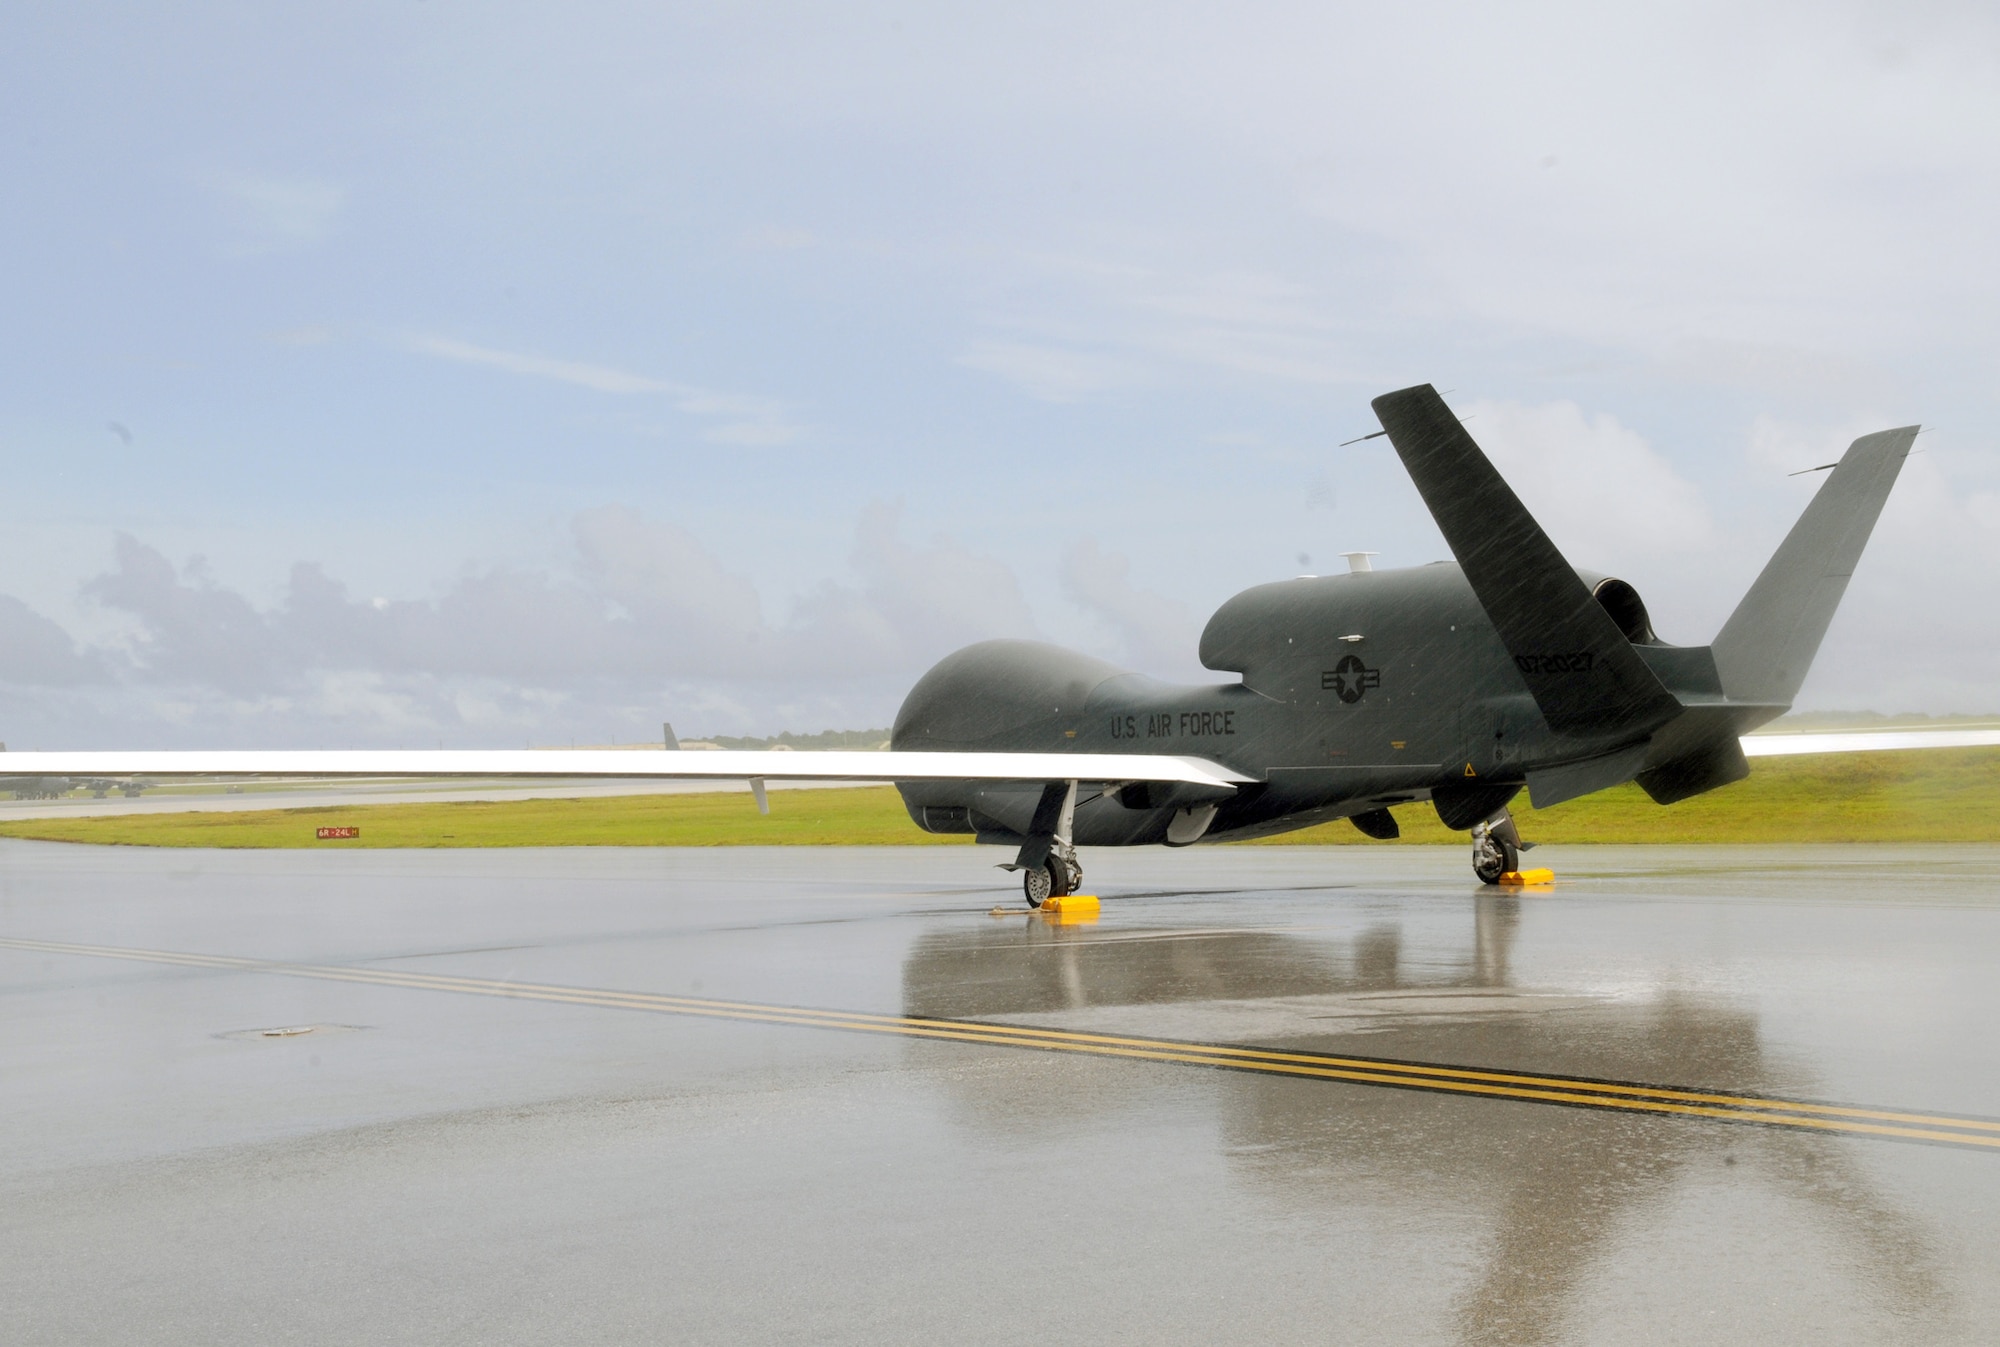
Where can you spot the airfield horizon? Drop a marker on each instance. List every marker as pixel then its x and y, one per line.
pixel 1926 796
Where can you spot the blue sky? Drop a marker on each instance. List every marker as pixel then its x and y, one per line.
pixel 489 375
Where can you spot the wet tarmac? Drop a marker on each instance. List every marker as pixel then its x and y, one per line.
pixel 791 1095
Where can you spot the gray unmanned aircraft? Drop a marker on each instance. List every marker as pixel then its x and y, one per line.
pixel 1459 684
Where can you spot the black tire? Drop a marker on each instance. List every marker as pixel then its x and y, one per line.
pixel 1038 884
pixel 1502 858
pixel 1052 879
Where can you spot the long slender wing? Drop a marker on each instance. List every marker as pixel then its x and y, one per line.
pixel 633 763
pixel 1865 741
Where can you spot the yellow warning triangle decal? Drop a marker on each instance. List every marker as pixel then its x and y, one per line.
pixel 1469 771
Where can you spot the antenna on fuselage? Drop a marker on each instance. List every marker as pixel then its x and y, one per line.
pixel 1358 563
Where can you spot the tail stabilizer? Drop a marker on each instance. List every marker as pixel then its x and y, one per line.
pixel 1765 648
pixel 1584 674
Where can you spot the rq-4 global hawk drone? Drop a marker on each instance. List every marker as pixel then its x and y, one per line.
pixel 1454 683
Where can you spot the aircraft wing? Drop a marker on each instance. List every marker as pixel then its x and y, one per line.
pixel 1865 741
pixel 635 764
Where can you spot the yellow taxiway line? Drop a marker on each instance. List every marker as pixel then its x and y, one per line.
pixel 1574 1091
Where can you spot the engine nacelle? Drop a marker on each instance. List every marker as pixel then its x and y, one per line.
pixel 1626 608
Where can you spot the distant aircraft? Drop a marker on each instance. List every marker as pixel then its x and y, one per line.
pixel 36 787
pixel 1454 683
pixel 56 787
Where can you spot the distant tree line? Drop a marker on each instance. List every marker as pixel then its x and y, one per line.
pixel 861 739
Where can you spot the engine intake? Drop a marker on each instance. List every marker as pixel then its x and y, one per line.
pixel 1627 609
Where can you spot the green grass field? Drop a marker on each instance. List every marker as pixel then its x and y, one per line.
pixel 1938 795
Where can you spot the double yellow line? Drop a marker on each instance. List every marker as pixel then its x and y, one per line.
pixel 1573 1091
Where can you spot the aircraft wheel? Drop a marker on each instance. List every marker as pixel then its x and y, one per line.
pixel 1039 883
pixel 1053 878
pixel 1493 857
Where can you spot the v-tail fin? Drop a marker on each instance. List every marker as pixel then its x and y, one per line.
pixel 1768 643
pixel 1584 674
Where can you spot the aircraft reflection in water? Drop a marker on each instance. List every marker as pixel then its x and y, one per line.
pixel 1552 1188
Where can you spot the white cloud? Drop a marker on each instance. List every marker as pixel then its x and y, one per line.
pixel 1195 223
pixel 1782 448
pixel 752 422
pixel 644 617
pixel 1241 322
pixel 757 422
pixel 1915 631
pixel 1154 633
pixel 662 578
pixel 1052 373
pixel 1598 488
pixel 36 652
pixel 913 604
pixel 192 629
pixel 1085 327
pixel 600 378
pixel 1294 197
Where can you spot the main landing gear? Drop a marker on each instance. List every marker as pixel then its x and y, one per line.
pixel 1057 877
pixel 1047 862
pixel 1496 848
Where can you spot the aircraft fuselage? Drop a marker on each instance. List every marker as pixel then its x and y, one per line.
pixel 1356 692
